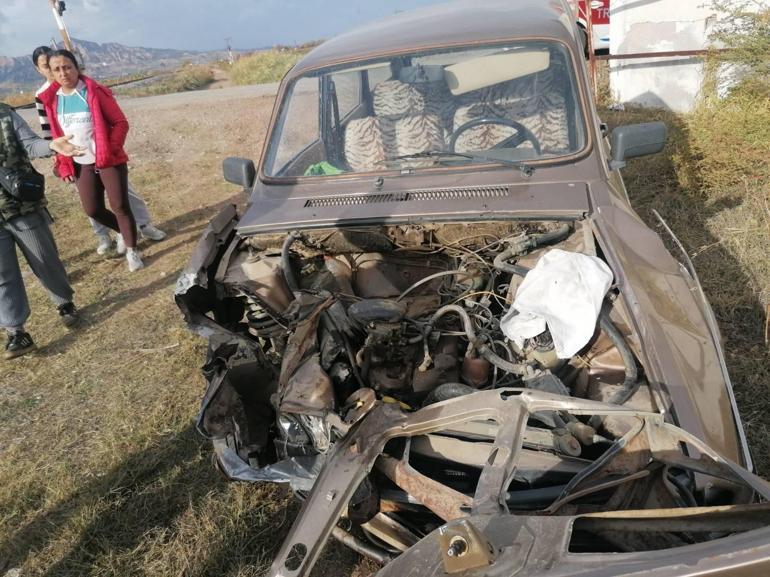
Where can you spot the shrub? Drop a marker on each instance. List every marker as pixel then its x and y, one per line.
pixel 744 28
pixel 188 77
pixel 267 66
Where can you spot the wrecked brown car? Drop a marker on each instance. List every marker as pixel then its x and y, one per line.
pixel 440 322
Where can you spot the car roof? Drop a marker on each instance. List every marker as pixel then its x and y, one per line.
pixel 463 22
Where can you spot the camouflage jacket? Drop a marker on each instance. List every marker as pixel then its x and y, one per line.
pixel 13 156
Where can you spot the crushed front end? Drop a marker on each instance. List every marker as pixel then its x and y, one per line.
pixel 369 369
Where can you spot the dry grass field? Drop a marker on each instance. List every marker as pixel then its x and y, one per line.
pixel 101 472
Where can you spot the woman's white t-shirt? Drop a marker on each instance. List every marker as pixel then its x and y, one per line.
pixel 75 118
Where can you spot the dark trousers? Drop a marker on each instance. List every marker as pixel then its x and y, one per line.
pixel 92 183
pixel 33 237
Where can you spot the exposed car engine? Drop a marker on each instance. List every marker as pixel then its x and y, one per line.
pixel 407 314
pixel 325 325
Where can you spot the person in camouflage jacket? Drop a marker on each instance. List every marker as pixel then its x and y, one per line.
pixel 26 225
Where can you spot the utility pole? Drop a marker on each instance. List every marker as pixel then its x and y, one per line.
pixel 58 7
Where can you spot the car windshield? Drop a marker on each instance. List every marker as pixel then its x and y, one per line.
pixel 502 103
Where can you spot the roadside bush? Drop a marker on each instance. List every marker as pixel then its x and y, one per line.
pixel 744 28
pixel 188 77
pixel 192 77
pixel 267 66
pixel 731 137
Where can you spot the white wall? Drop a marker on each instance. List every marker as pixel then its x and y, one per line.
pixel 657 26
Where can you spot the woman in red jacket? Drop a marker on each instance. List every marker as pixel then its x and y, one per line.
pixel 77 105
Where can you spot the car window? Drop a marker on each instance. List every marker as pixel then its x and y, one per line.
pixel 347 86
pixel 298 122
pixel 449 107
pixel 378 74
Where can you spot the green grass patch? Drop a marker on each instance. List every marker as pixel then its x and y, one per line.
pixel 188 77
pixel 267 66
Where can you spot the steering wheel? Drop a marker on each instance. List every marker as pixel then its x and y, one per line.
pixel 523 134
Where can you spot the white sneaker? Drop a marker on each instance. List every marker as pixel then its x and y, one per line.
pixel 151 233
pixel 134 260
pixel 105 244
pixel 120 244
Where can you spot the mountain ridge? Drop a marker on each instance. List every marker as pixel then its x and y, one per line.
pixel 102 61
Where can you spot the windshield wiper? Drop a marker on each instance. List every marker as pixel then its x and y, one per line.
pixel 439 154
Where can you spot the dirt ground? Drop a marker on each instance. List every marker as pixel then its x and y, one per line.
pixel 101 471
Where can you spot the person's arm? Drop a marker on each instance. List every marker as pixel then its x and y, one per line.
pixel 37 147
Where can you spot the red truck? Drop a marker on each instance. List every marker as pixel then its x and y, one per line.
pixel 600 18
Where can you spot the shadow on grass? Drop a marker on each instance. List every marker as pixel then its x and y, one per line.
pixel 256 551
pixel 96 312
pixel 92 314
pixel 134 499
pixel 146 496
pixel 670 184
pixel 190 221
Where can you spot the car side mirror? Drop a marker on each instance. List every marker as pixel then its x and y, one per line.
pixel 635 140
pixel 239 171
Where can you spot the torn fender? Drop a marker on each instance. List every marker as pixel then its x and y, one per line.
pixel 194 293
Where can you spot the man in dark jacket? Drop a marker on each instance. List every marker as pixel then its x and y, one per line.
pixel 25 224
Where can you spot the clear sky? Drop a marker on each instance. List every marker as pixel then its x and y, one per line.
pixel 189 24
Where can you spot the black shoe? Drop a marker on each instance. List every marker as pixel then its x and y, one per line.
pixel 18 344
pixel 69 314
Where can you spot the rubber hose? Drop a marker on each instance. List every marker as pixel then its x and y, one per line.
pixel 484 350
pixel 467 324
pixel 554 236
pixel 500 262
pixel 517 369
pixel 631 380
pixel 447 391
pixel 531 497
pixel 288 273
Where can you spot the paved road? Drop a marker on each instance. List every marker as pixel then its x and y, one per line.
pixel 181 98
pixel 200 96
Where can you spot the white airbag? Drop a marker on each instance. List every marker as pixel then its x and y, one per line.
pixel 564 291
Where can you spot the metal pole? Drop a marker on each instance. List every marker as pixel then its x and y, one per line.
pixel 665 54
pixel 60 24
pixel 591 53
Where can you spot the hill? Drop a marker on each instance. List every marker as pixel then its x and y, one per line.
pixel 108 60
